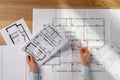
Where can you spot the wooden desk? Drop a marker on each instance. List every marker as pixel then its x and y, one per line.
pixel 12 10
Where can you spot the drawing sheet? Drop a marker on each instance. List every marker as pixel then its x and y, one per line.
pixel 115 22
pixel 12 63
pixel 45 44
pixel 110 58
pixel 16 33
pixel 87 27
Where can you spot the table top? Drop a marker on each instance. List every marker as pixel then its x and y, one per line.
pixel 12 10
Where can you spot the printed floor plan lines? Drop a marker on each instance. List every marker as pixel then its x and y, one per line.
pixel 87 27
pixel 16 33
pixel 45 44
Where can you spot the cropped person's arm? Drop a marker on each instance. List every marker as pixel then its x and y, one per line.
pixel 34 69
pixel 84 55
pixel 84 73
pixel 34 76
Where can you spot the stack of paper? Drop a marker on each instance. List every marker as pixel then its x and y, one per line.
pixel 12 59
pixel 42 46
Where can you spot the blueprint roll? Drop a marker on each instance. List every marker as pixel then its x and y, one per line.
pixel 109 56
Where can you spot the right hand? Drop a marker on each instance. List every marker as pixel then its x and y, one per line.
pixel 84 55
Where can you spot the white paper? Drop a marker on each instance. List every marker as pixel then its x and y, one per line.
pixel 109 56
pixel 16 33
pixel 87 27
pixel 12 63
pixel 45 44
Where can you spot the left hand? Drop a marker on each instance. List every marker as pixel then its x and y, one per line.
pixel 32 64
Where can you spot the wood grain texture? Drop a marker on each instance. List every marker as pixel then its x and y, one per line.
pixel 12 10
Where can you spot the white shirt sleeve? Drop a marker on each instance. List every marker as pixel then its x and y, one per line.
pixel 34 76
pixel 84 73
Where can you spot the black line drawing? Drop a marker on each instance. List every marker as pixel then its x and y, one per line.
pixel 44 43
pixel 17 33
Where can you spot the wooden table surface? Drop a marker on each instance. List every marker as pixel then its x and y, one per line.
pixel 12 10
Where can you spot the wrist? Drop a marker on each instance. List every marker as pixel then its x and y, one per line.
pixel 34 70
pixel 84 63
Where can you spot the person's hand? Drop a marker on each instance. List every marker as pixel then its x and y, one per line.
pixel 84 55
pixel 32 64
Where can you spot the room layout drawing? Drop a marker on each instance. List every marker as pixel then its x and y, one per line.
pixel 16 33
pixel 45 44
pixel 86 27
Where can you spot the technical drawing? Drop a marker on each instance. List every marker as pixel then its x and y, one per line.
pixel 89 28
pixel 45 44
pixel 88 37
pixel 16 32
pixel 86 28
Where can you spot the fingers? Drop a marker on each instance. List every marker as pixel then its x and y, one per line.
pixel 29 59
pixel 78 46
pixel 83 50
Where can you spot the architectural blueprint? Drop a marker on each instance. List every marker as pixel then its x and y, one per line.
pixel 16 33
pixel 45 44
pixel 109 57
pixel 87 27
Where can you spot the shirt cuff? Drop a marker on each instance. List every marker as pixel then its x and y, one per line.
pixel 85 71
pixel 34 76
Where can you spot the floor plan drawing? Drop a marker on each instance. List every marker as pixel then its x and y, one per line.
pixel 45 44
pixel 16 33
pixel 86 33
pixel 87 27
